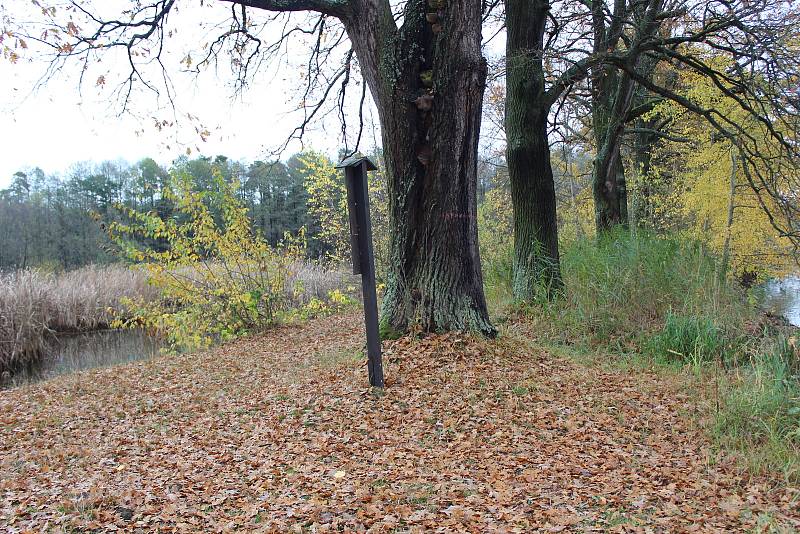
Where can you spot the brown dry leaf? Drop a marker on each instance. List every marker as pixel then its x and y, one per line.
pixel 273 434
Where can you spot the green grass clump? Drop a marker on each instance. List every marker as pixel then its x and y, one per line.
pixel 625 285
pixel 688 339
pixel 621 288
pixel 759 411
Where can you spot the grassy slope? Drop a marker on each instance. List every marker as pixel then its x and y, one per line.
pixel 281 431
pixel 661 303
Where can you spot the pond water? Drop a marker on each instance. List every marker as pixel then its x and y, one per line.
pixel 782 297
pixel 74 352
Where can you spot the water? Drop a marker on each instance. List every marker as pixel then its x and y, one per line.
pixel 782 297
pixel 75 352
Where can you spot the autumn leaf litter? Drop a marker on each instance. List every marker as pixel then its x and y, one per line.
pixel 280 432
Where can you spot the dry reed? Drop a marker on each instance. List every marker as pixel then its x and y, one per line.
pixel 34 306
pixel 310 280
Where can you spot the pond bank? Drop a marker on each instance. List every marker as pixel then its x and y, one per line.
pixel 68 353
pixel 37 306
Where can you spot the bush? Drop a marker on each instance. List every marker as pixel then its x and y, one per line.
pixel 217 279
pixel 495 228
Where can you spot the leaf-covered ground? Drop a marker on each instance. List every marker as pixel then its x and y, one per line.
pixel 281 433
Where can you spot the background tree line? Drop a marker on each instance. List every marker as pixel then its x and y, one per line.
pixel 58 221
pixel 685 184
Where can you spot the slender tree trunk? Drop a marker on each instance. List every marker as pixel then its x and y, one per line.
pixel 569 167
pixel 610 192
pixel 536 261
pixel 427 79
pixel 643 144
pixel 726 246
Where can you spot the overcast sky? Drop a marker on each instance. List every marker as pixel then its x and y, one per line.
pixel 57 125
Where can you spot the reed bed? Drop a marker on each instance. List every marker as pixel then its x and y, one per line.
pixel 315 281
pixel 35 306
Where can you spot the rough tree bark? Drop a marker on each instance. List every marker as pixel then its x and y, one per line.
pixel 427 78
pixel 612 97
pixel 536 258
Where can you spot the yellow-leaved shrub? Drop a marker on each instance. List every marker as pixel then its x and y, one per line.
pixel 217 278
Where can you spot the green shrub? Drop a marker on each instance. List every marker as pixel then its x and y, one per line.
pixel 217 279
pixel 498 276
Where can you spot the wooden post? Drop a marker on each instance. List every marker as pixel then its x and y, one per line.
pixel 355 174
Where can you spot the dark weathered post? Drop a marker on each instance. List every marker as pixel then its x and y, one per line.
pixel 355 176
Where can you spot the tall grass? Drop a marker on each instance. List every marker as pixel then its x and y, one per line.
pixel 759 411
pixel 309 281
pixel 621 289
pixel 663 300
pixel 689 339
pixel 35 305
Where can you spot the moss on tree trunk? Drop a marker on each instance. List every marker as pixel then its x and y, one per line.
pixel 536 259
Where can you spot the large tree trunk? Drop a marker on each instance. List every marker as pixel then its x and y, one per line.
pixel 427 79
pixel 536 261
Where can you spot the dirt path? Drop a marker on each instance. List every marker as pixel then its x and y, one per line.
pixel 281 433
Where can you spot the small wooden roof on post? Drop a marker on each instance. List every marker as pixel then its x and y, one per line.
pixel 355 161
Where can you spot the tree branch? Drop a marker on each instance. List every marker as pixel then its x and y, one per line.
pixel 335 8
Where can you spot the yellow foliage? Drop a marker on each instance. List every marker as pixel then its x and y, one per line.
pixel 705 171
pixel 496 228
pixel 327 204
pixel 217 279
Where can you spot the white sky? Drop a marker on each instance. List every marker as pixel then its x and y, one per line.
pixel 57 125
